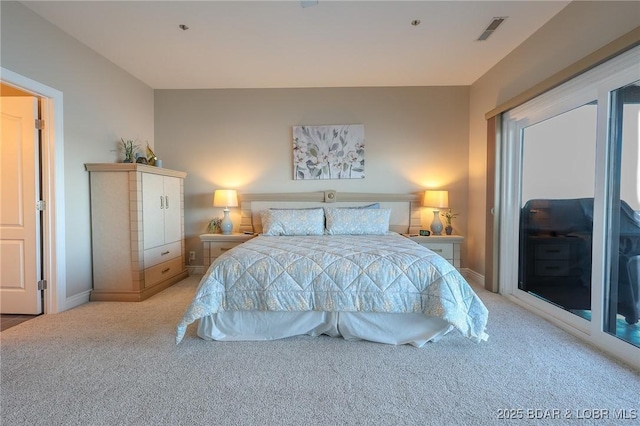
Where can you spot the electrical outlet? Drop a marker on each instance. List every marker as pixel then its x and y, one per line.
pixel 192 255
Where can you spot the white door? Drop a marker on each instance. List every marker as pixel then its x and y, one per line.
pixel 19 270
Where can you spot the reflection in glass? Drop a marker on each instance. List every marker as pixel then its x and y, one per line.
pixel 623 239
pixel 556 219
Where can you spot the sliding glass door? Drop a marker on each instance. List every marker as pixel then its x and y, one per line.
pixel 556 215
pixel 570 206
pixel 623 216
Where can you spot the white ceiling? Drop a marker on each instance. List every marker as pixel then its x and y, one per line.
pixel 242 44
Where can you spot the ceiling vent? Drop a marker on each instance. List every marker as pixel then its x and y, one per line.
pixel 495 23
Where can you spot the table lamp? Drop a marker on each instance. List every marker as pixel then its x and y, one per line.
pixel 225 198
pixel 436 200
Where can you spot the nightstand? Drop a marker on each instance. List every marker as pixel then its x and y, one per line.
pixel 213 245
pixel 447 246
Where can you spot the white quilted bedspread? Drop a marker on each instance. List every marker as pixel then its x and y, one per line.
pixel 367 273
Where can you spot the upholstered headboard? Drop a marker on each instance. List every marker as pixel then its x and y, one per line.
pixel 405 208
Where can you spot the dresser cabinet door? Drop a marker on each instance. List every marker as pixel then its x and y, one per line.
pixel 161 210
pixel 172 210
pixel 153 209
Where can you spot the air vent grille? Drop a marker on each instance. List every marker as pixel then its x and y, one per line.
pixel 495 23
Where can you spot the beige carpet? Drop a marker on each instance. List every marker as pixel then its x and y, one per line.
pixel 108 363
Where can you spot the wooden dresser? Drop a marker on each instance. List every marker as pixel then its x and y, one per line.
pixel 137 225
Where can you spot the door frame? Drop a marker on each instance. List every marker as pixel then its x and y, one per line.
pixel 52 164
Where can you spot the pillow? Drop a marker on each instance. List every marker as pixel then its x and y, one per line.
pixel 368 206
pixel 289 208
pixel 292 222
pixel 341 221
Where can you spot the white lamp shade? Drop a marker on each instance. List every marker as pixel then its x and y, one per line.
pixel 436 199
pixel 225 198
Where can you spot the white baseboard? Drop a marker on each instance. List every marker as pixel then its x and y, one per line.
pixel 473 277
pixel 77 300
pixel 82 298
pixel 195 270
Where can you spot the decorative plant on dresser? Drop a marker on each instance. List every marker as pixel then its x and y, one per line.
pixel 129 150
pixel 137 226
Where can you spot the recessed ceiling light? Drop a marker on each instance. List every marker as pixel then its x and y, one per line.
pixel 415 22
pixel 183 27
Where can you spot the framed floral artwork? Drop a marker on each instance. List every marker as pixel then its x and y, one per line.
pixel 328 152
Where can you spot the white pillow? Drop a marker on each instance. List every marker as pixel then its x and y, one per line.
pixel 368 206
pixel 357 221
pixel 292 221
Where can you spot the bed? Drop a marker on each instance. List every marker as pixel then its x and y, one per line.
pixel 337 266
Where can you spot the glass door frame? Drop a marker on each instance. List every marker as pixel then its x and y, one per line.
pixel 595 84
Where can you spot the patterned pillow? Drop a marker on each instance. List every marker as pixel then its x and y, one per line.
pixel 368 206
pixel 292 221
pixel 357 221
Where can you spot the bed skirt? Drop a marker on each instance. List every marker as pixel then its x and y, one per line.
pixel 396 329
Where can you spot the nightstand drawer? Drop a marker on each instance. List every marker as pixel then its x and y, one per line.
pixel 444 250
pixel 213 245
pixel 447 246
pixel 216 249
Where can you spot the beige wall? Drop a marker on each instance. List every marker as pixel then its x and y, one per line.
pixel 101 104
pixel 578 30
pixel 415 137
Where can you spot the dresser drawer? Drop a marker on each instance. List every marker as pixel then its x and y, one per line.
pixel 161 254
pixel 443 249
pixel 162 271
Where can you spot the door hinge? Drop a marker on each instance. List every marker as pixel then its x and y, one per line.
pixel 42 285
pixel 39 124
pixel 41 205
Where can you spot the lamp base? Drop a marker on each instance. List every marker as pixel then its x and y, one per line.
pixel 226 226
pixel 436 225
